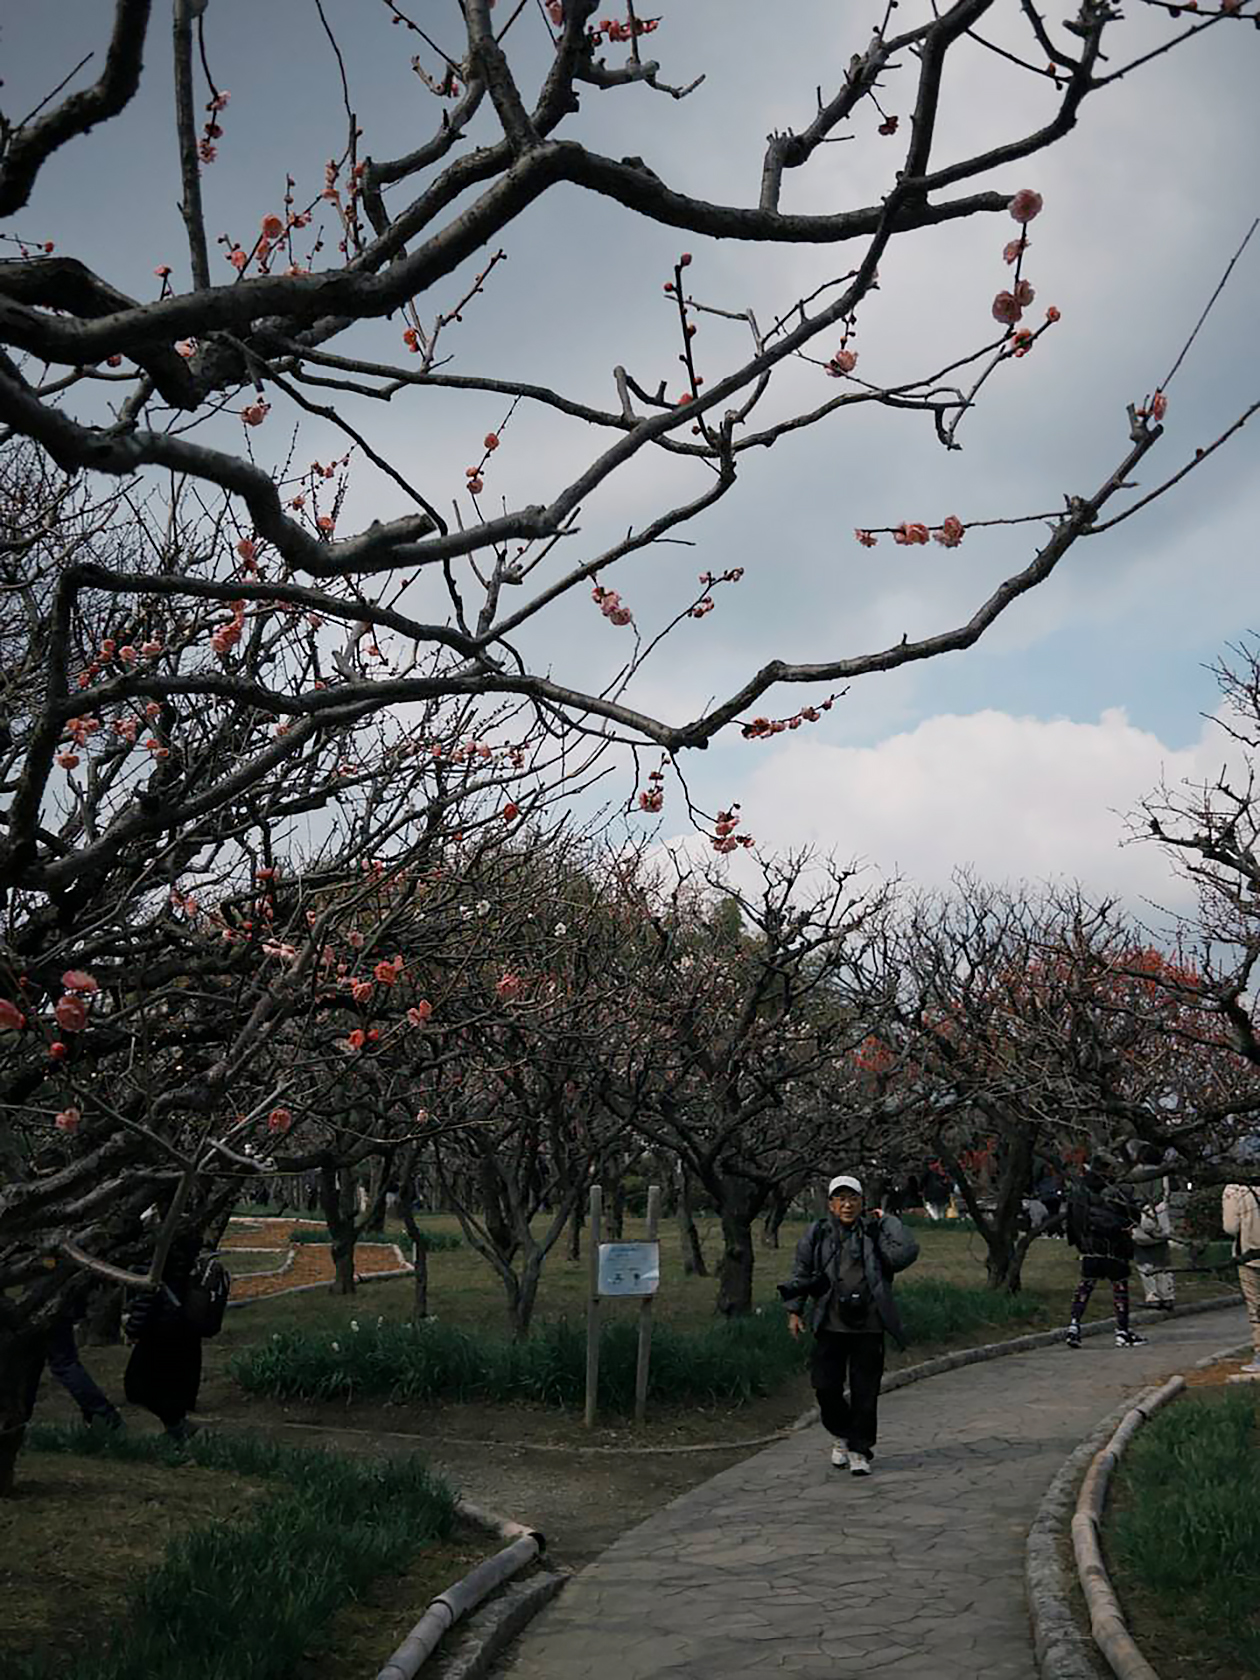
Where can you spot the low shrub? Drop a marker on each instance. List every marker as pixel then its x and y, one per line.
pixel 1186 1527
pixel 726 1362
pixel 434 1361
pixel 440 1242
pixel 935 1311
pixel 242 1601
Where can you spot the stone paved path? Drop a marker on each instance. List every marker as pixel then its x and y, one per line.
pixel 783 1566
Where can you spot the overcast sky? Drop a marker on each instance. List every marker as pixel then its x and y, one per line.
pixel 1018 757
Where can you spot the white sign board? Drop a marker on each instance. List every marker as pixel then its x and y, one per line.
pixel 629 1268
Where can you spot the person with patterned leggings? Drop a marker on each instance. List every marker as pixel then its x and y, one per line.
pixel 1100 1224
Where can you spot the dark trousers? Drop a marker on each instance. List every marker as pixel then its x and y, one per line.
pixel 66 1366
pixel 164 1372
pixel 857 1356
pixel 62 1357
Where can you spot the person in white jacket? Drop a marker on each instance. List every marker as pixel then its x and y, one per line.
pixel 1240 1215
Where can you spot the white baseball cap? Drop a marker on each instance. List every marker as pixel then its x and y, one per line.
pixel 845 1181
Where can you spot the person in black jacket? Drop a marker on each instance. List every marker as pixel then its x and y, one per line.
pixel 1100 1221
pixel 843 1269
pixel 164 1372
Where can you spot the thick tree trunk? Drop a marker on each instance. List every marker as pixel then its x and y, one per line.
pixel 576 1222
pixel 689 1236
pixel 614 1201
pixel 420 1280
pixel 776 1213
pixel 419 1253
pixel 337 1197
pixel 738 1206
pixel 21 1359
pixel 523 1295
pixel 1004 1254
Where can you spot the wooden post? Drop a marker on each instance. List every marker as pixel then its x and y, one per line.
pixel 645 1314
pixel 592 1304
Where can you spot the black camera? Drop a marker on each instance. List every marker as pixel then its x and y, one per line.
pixel 813 1288
pixel 853 1307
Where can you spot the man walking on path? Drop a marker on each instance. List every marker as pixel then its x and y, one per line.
pixel 751 1575
pixel 1240 1215
pixel 843 1268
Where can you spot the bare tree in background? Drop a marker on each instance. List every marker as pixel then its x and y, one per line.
pixel 202 657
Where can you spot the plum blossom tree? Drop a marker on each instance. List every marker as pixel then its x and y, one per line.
pixel 747 1013
pixel 1039 1027
pixel 214 664
pixel 284 323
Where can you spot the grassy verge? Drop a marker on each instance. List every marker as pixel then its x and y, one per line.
pixel 715 1364
pixel 1183 1535
pixel 244 1599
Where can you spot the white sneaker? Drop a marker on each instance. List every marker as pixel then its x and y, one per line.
pixel 1251 1369
pixel 859 1464
pixel 840 1455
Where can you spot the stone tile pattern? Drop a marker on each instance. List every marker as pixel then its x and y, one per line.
pixel 784 1566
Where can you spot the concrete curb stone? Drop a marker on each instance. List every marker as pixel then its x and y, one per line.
pixel 1063 1650
pixel 490 1630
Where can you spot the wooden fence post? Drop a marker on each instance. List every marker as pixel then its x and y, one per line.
pixel 645 1314
pixel 592 1304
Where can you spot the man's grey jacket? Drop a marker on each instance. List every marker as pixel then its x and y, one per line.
pixel 885 1245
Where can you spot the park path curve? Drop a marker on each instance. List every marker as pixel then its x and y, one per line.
pixel 309 1263
pixel 783 1566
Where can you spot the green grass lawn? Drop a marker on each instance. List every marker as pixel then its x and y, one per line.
pixel 257 1549
pixel 1182 1536
pixel 464 1290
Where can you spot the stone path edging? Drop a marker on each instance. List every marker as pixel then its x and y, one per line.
pixel 490 1625
pixel 1106 1619
pixel 492 1629
pixel 1062 1649
pixel 325 1283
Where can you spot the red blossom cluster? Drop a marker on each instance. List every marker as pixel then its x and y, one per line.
pixel 873 1055
pixel 207 150
pixel 226 635
pixel 911 533
pixel 11 1017
pixel 1009 306
pixel 761 727
pixel 844 361
pixel 653 797
pixel 508 986
pixel 908 533
pixel 724 838
pixel 476 476
pixel 616 31
pixel 1154 408
pixel 609 603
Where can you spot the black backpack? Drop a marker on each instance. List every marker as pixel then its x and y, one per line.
pixel 206 1298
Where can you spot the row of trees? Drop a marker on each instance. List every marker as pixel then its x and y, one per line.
pixel 282 849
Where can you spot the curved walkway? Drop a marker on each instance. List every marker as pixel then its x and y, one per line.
pixel 783 1566
pixel 311 1263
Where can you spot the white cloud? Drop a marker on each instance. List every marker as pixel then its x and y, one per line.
pixel 1015 798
